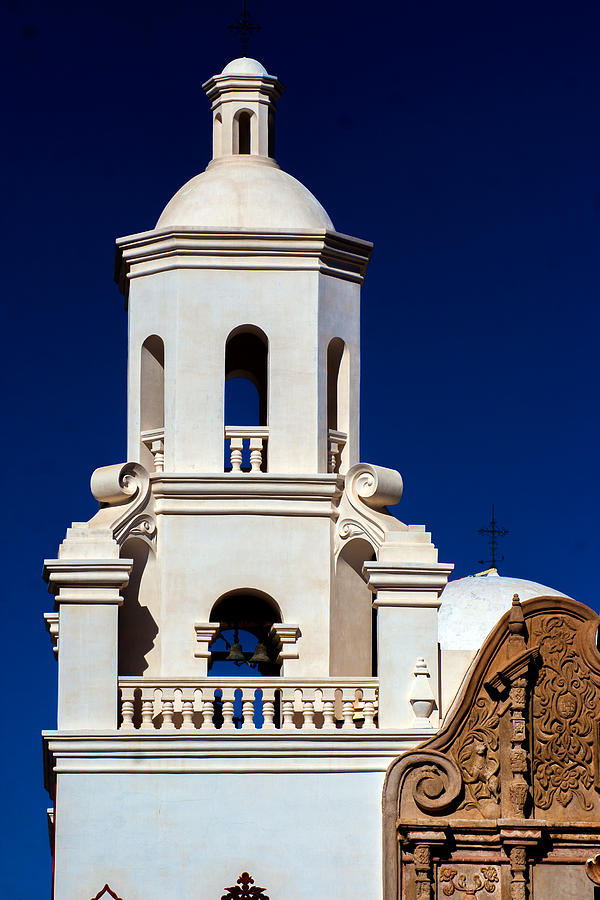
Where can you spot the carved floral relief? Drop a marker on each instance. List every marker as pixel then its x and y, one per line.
pixel 565 706
pixel 467 886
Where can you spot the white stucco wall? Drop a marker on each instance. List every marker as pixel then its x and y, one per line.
pixel 154 836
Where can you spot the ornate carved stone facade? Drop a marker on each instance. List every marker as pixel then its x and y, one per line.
pixel 504 800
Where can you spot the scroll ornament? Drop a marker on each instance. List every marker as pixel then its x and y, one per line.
pixel 123 491
pixel 363 509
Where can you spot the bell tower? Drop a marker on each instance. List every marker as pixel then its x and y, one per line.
pixel 243 274
pixel 243 603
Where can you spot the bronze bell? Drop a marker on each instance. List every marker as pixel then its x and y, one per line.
pixel 260 655
pixel 236 654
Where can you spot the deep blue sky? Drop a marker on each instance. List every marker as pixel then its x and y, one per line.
pixel 461 138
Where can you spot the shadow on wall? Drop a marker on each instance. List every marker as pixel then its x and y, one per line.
pixel 137 627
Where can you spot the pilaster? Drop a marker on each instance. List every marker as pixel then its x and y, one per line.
pixel 407 603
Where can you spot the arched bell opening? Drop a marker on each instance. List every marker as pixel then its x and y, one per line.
pixel 217 135
pixel 245 643
pixel 152 403
pixel 353 636
pixel 246 399
pixel 242 132
pixel 338 404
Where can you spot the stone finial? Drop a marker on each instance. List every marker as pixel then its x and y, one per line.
pixel 421 696
pixel 516 626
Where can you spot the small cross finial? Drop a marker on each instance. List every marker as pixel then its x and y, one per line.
pixel 246 27
pixel 493 532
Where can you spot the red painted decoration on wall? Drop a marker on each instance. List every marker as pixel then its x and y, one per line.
pixel 106 890
pixel 245 892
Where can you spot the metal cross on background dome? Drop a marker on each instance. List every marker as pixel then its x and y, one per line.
pixel 493 532
pixel 246 27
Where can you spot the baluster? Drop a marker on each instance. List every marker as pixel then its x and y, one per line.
pixel 287 709
pixel 127 708
pixel 187 709
pixel 236 445
pixel 328 709
pixel 157 449
pixel 256 445
pixel 247 710
pixel 208 710
pixel 369 708
pixel 268 707
pixel 167 710
pixel 147 710
pixel 227 700
pixel 309 715
pixel 333 456
pixel 348 713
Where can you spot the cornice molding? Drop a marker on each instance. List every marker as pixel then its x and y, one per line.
pixel 407 578
pixel 163 249
pixel 245 494
pixel 87 580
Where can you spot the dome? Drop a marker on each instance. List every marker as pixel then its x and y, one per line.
pixel 243 193
pixel 245 65
pixel 471 607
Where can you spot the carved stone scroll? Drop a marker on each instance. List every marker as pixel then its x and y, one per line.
pixel 363 507
pixel 123 491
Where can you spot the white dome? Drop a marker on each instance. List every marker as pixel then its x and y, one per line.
pixel 471 607
pixel 244 194
pixel 245 65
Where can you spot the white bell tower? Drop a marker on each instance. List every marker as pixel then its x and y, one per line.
pixel 243 603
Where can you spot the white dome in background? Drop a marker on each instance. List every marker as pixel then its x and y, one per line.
pixel 471 607
pixel 244 194
pixel 244 65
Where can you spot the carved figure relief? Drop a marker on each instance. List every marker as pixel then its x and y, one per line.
pixel 244 889
pixel 565 705
pixel 452 882
pixel 478 759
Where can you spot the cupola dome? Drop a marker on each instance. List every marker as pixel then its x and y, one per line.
pixel 243 186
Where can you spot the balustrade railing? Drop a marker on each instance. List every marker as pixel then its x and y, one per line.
pixel 230 704
pixel 246 444
pixel 336 441
pixel 154 439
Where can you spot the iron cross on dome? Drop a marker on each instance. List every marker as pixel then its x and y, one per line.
pixel 245 27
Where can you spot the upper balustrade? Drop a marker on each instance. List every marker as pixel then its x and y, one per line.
pixel 248 704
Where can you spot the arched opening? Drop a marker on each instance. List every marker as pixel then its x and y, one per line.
pixel 245 644
pixel 338 390
pixel 137 629
pixel 242 132
pixel 353 640
pixel 217 135
pixel 246 396
pixel 271 134
pixel 152 403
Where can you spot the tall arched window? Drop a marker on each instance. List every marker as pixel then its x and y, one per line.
pixel 338 390
pixel 244 644
pixel 217 135
pixel 246 398
pixel 353 636
pixel 152 403
pixel 242 128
